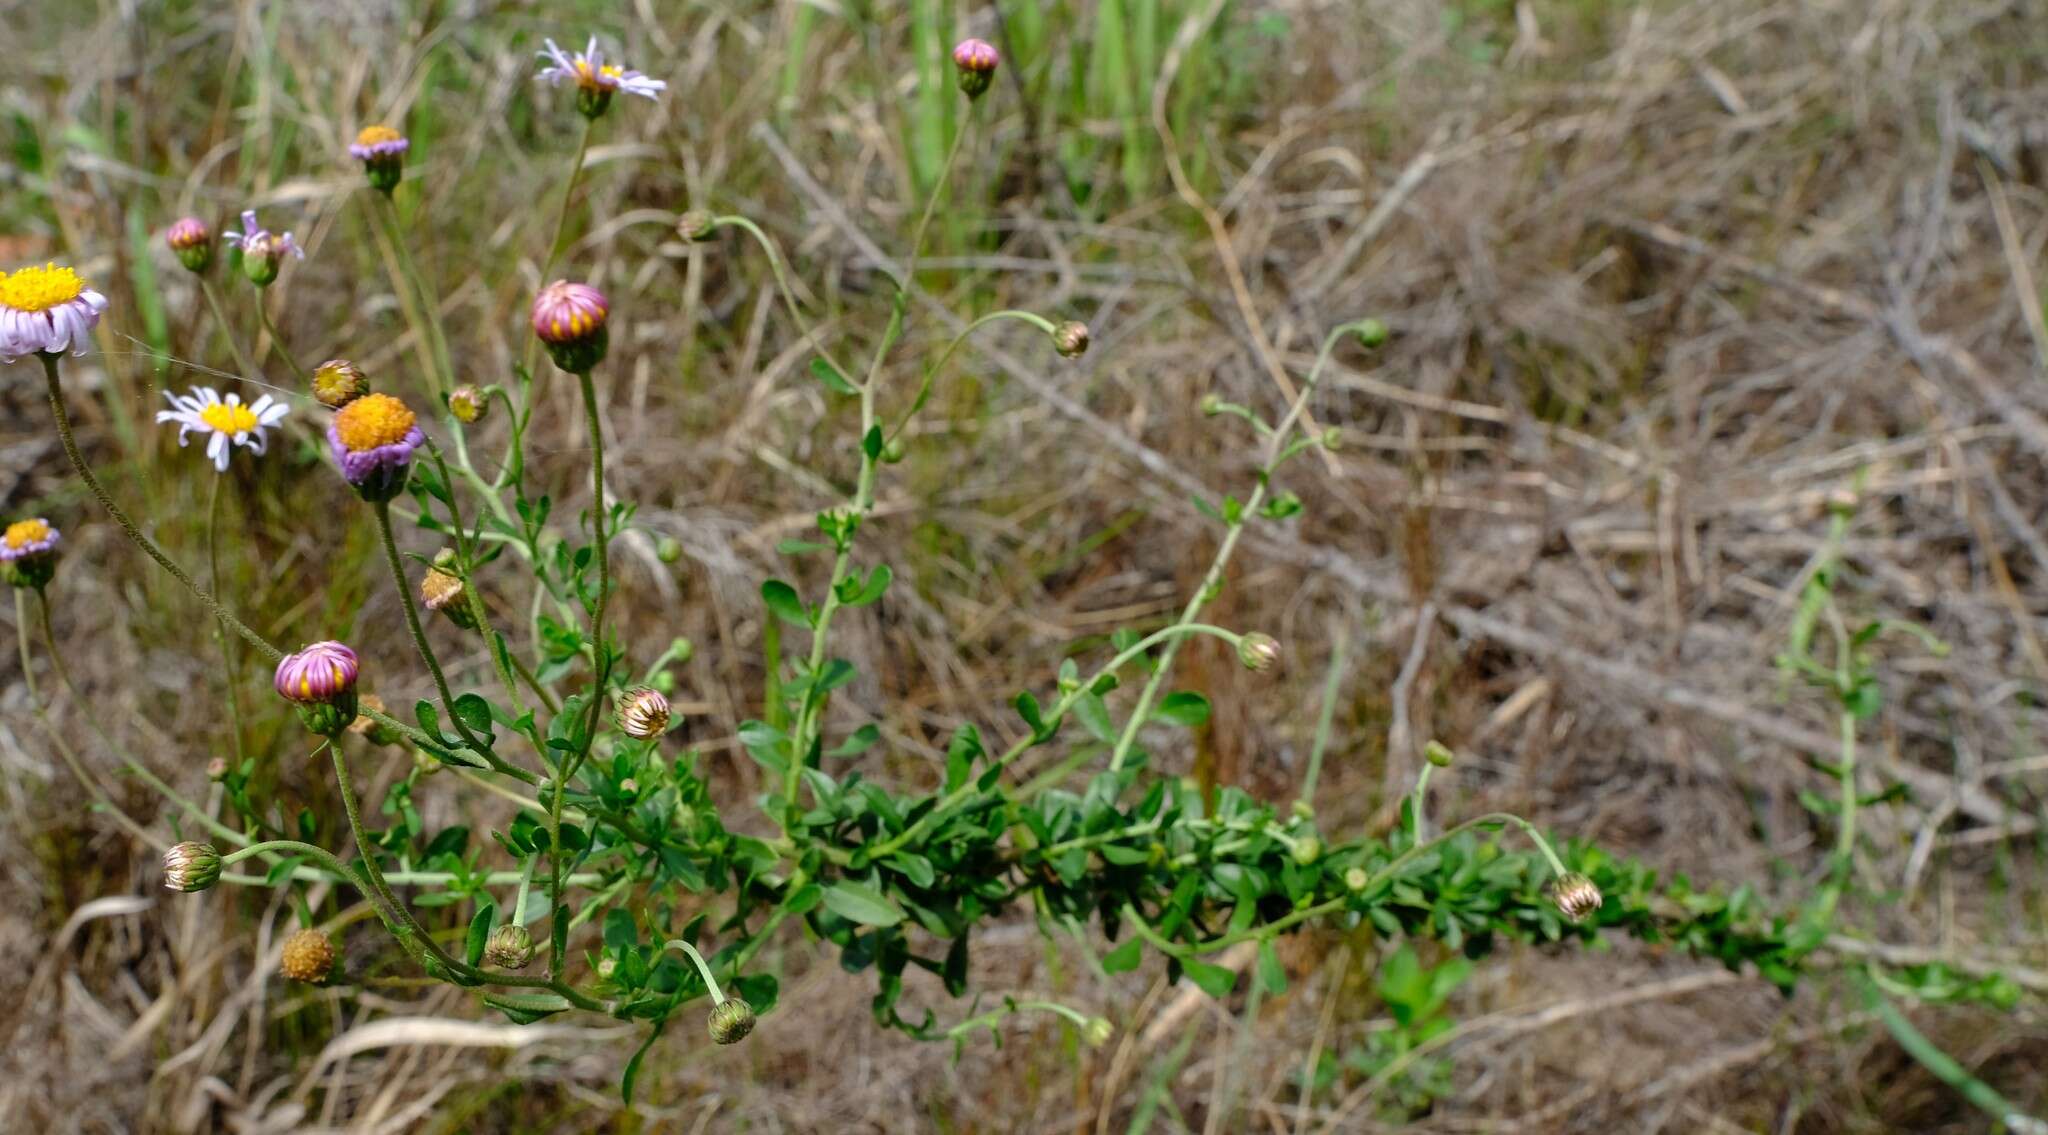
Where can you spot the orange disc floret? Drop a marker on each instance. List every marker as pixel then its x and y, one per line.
pixel 372 421
pixel 22 533
pixel 373 135
pixel 308 955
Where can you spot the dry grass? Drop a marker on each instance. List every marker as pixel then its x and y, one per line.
pixel 1661 280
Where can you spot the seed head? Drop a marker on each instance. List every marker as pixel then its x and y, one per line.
pixel 191 867
pixel 976 61
pixel 642 713
pixel 307 957
pixel 338 382
pixel 445 592
pixel 468 404
pixel 510 946
pixel 1258 652
pixel 1070 339
pixel 192 241
pixel 1575 896
pixel 696 226
pixel 731 1020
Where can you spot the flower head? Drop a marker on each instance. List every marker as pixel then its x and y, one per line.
pixel 595 79
pixel 509 946
pixel 976 60
pixel 321 680
pixel 28 553
pixel 731 1020
pixel 192 241
pixel 1258 652
pixel 444 591
pixel 191 867
pixel 373 439
pixel 642 713
pixel 468 404
pixel 696 226
pixel 338 382
pixel 382 152
pixel 225 422
pixel 1576 896
pixel 262 250
pixel 46 310
pixel 307 957
pixel 1070 339
pixel 570 320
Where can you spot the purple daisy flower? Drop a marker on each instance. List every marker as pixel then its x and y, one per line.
pixel 373 439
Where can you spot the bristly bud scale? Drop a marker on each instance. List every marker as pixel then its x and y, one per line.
pixel 510 946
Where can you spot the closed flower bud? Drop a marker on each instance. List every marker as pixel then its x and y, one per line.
pixel 570 320
pixel 976 61
pixel 1576 896
pixel 445 592
pixel 468 404
pixel 382 152
pixel 642 713
pixel 1371 333
pixel 217 769
pixel 1098 1031
pixel 510 946
pixel 1258 652
pixel 1438 754
pixel 1306 850
pixel 1212 405
pixel 321 680
pixel 1356 879
pixel 1333 439
pixel 28 552
pixel 191 867
pixel 192 241
pixel 607 968
pixel 696 226
pixel 307 957
pixel 668 549
pixel 731 1020
pixel 338 382
pixel 629 787
pixel 1070 339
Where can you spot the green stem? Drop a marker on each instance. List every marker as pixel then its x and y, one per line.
pixel 382 509
pixel 931 373
pixel 121 518
pixel 561 223
pixel 775 264
pixel 277 346
pixel 422 299
pixel 28 670
pixel 230 664
pixel 703 969
pixel 1326 716
pixel 227 330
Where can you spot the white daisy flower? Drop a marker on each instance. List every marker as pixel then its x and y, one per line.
pixel 46 310
pixel 226 422
pixel 588 70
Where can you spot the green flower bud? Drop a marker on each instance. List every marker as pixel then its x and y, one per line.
pixel 1098 1032
pixel 1258 652
pixel 1439 754
pixel 731 1020
pixel 1356 878
pixel 468 404
pixel 1070 339
pixel 1307 850
pixel 1372 334
pixel 668 549
pixel 509 946
pixel 696 226
pixel 191 866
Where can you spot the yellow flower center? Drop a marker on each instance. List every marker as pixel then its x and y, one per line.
pixel 371 421
pixel 228 419
pixel 39 289
pixel 602 78
pixel 371 135
pixel 22 533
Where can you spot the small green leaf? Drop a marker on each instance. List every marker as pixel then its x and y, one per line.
pixel 782 601
pixel 479 931
pixel 1216 981
pixel 829 375
pixel 472 710
pixel 858 902
pixel 1124 958
pixel 1271 974
pixel 1184 707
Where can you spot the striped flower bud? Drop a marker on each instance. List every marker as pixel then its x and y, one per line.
pixel 1258 652
pixel 191 866
pixel 731 1020
pixel 570 320
pixel 192 241
pixel 976 61
pixel 1575 896
pixel 321 680
pixel 1070 339
pixel 642 713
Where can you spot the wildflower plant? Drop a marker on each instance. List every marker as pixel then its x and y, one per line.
pixel 620 885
